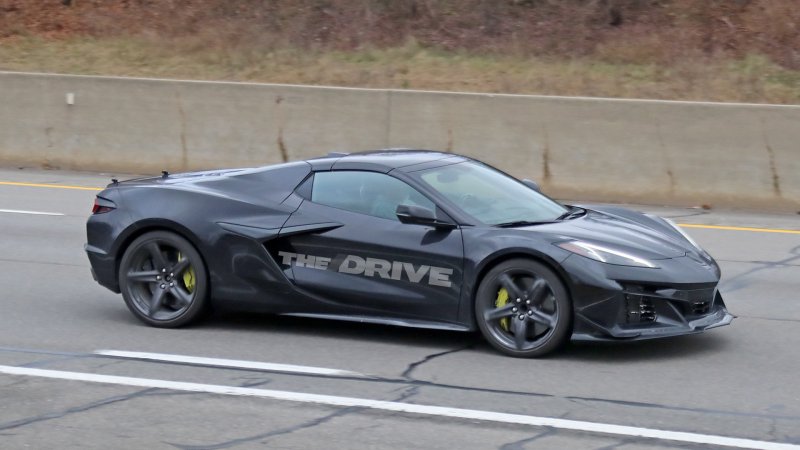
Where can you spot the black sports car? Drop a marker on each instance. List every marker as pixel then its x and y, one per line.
pixel 413 238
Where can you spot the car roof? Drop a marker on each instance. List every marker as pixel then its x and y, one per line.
pixel 384 160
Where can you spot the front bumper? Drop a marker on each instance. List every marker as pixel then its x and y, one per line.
pixel 637 317
pixel 629 303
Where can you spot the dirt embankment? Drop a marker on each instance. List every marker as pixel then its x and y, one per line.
pixel 624 31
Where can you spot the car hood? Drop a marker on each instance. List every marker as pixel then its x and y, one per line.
pixel 635 233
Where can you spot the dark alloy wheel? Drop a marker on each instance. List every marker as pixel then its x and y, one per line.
pixel 163 280
pixel 523 309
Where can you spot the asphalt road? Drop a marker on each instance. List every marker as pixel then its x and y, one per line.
pixel 737 382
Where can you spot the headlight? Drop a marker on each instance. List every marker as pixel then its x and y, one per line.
pixel 605 254
pixel 683 233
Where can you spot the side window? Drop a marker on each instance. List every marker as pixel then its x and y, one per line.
pixel 372 193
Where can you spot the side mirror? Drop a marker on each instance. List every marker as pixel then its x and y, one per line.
pixel 531 184
pixel 421 215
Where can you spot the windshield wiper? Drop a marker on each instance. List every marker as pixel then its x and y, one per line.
pixel 521 223
pixel 576 211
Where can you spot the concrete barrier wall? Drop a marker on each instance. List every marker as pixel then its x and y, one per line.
pixel 596 149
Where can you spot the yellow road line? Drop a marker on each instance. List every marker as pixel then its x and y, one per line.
pixel 725 227
pixel 55 186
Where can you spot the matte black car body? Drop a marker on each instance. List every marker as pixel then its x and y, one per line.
pixel 245 222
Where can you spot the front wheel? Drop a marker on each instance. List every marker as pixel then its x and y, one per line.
pixel 523 309
pixel 163 280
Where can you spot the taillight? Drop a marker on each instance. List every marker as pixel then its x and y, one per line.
pixel 102 205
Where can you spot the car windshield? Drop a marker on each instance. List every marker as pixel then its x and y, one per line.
pixel 491 196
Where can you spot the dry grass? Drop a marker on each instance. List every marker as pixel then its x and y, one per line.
pixel 611 72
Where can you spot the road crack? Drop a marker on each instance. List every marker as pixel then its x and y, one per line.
pixel 520 445
pixel 90 406
pixel 414 365
pixel 254 382
pixel 76 409
pixel 264 437
pixel 740 281
pixel 408 392
pixel 692 214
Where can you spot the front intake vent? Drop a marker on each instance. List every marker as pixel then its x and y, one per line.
pixel 699 308
pixel 640 309
pixel 647 312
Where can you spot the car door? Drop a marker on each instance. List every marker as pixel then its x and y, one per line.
pixel 359 258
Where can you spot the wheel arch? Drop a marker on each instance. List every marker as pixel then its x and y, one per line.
pixel 149 225
pixel 500 257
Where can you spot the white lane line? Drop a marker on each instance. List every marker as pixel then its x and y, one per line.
pixel 37 213
pixel 231 363
pixel 429 410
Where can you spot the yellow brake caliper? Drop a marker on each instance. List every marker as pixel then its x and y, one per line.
pixel 502 299
pixel 188 277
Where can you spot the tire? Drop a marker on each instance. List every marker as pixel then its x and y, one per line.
pixel 164 280
pixel 523 309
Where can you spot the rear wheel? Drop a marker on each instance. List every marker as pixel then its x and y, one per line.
pixel 523 309
pixel 163 280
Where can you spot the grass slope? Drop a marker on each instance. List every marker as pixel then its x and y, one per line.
pixel 753 78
